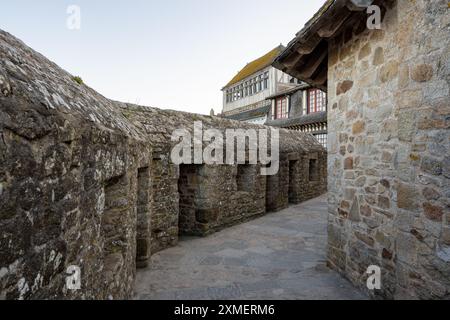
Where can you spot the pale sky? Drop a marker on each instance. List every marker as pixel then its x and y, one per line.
pixel 171 54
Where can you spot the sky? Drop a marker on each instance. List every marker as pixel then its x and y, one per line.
pixel 171 54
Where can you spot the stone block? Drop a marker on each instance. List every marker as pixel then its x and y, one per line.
pixel 407 196
pixel 358 127
pixel 430 193
pixel 388 72
pixel 378 57
pixel 431 165
pixel 336 236
pixel 365 238
pixel 422 73
pixel 354 214
pixel 384 202
pixel 343 87
pixel 406 248
pixel 365 51
pixel 348 163
pixel 406 126
pixel 433 212
pixel 445 238
pixel 383 240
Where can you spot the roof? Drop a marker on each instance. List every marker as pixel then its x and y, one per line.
pixel 316 16
pixel 289 91
pixel 316 117
pixel 256 65
pixel 247 115
pixel 306 56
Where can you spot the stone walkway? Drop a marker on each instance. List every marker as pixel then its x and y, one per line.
pixel 278 256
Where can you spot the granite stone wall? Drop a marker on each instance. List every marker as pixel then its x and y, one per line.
pixel 389 151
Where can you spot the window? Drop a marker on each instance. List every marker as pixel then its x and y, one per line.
pixel 250 88
pixel 281 111
pixel 322 138
pixel 317 101
pixel 266 80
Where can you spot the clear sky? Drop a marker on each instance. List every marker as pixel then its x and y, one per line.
pixel 174 54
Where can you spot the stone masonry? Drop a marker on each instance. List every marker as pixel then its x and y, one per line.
pixel 88 182
pixel 389 139
pixel 389 159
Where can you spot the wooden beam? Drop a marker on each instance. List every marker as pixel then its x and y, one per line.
pixel 292 60
pixel 313 63
pixel 307 46
pixel 335 24
pixel 322 77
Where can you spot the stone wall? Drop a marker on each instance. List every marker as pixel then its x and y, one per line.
pixel 302 176
pixel 389 151
pixel 88 182
pixel 165 204
pixel 219 196
pixel 67 198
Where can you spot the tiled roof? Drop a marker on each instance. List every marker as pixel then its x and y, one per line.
pixel 256 65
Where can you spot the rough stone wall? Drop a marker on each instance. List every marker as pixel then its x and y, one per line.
pixel 389 145
pixel 165 205
pixel 67 198
pixel 308 176
pixel 88 182
pixel 61 147
pixel 295 182
pixel 277 192
pixel 215 197
pixel 216 193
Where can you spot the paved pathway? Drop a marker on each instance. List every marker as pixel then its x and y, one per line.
pixel 278 256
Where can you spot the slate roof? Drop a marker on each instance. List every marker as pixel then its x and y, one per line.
pixel 299 121
pixel 255 113
pixel 256 65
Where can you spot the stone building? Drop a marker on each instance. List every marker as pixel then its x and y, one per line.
pixel 301 108
pixel 244 97
pixel 88 183
pixel 389 139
